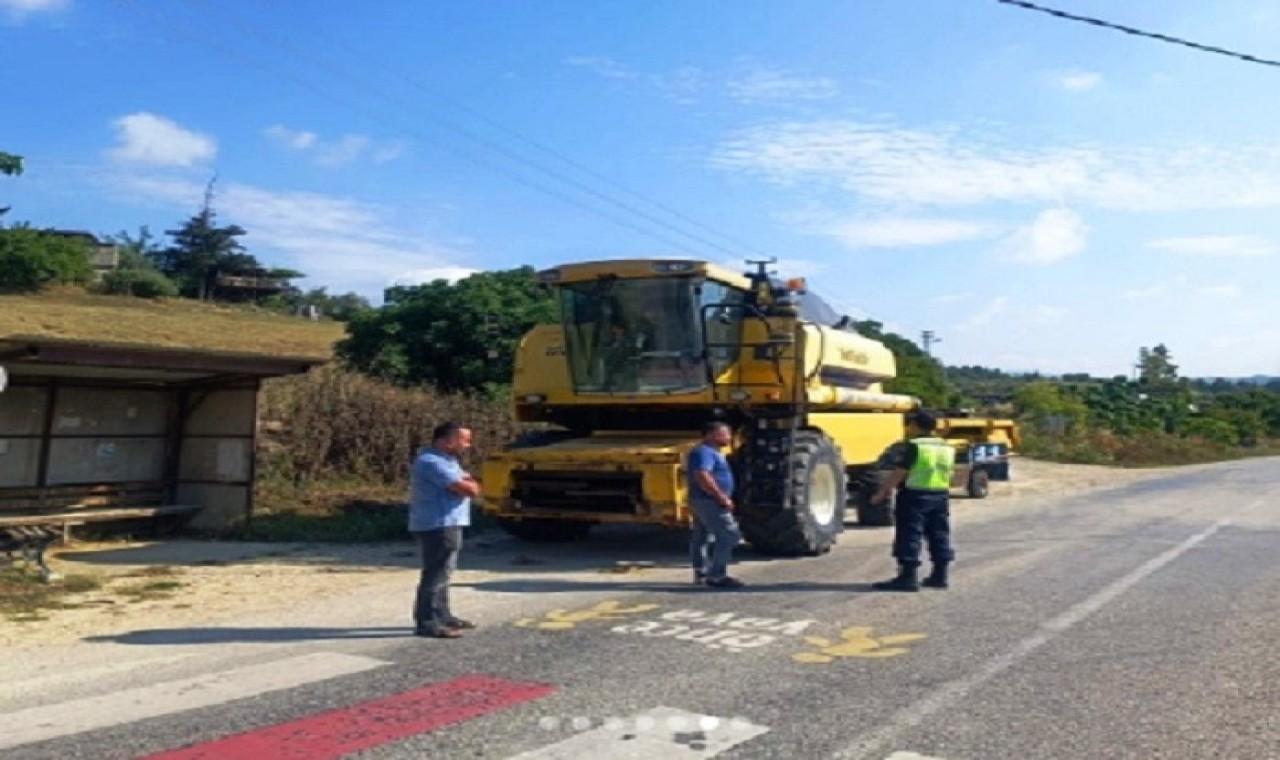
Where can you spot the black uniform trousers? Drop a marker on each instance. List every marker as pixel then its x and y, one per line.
pixel 922 517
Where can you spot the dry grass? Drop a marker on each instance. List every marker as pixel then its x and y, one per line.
pixel 24 597
pixel 185 324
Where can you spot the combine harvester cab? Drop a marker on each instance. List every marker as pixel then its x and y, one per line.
pixel 646 353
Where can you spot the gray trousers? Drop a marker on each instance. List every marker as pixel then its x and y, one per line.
pixel 715 523
pixel 439 557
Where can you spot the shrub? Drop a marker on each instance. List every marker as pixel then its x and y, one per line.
pixel 30 259
pixel 143 283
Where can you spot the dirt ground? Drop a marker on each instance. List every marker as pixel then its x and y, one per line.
pixel 182 583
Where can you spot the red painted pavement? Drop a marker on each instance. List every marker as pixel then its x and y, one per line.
pixel 351 729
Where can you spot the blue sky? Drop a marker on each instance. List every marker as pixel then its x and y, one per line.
pixel 1042 194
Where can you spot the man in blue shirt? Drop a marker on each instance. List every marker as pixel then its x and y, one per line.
pixel 440 494
pixel 711 500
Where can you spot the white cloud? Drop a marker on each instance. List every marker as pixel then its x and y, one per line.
pixel 291 138
pixel 902 232
pixel 986 315
pixel 1216 246
pixel 17 10
pixel 684 85
pixel 420 276
pixel 1079 81
pixel 145 138
pixel 605 67
pixel 1150 291
pixel 340 152
pixel 343 244
pixel 1220 291
pixel 950 298
pixel 1047 314
pixel 762 85
pixel 945 167
pixel 1056 234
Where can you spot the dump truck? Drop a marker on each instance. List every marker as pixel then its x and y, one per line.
pixel 649 350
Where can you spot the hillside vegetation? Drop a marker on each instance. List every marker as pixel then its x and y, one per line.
pixel 168 323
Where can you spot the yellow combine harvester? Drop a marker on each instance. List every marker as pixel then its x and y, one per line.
pixel 648 351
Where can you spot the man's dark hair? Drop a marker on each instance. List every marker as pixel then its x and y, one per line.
pixel 923 419
pixel 710 427
pixel 445 430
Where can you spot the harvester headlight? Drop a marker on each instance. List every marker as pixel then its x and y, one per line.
pixel 668 267
pixel 739 395
pixel 535 398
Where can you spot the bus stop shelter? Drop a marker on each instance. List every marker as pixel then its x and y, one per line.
pixel 94 433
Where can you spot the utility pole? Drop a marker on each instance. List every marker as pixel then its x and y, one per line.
pixel 928 338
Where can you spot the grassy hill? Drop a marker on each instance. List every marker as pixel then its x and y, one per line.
pixel 136 322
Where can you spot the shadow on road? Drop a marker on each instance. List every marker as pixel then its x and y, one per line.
pixel 178 636
pixel 551 586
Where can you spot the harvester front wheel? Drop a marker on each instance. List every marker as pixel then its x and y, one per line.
pixel 979 484
pixel 812 516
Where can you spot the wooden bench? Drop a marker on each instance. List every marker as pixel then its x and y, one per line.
pixel 67 506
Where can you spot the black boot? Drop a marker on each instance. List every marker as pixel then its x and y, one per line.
pixel 906 581
pixel 937 578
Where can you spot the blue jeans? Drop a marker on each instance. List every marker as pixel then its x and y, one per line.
pixel 440 549
pixel 714 522
pixel 922 517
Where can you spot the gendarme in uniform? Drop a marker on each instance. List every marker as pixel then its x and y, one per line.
pixel 924 468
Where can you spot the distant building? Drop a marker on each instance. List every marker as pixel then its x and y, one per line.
pixel 103 257
pixel 250 285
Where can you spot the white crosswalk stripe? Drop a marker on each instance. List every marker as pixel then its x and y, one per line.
pixel 38 724
pixel 660 732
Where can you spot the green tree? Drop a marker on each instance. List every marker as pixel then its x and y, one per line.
pixel 31 258
pixel 1156 367
pixel 342 307
pixel 456 336
pixel 1050 406
pixel 10 165
pixel 201 251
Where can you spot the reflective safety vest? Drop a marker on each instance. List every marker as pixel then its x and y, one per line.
pixel 934 465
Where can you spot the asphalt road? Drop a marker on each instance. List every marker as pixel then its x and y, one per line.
pixel 1140 622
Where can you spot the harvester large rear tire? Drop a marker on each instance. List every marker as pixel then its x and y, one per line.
pixel 811 518
pixel 873 515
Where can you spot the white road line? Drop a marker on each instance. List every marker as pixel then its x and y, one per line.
pixel 14 689
pixel 874 742
pixel 38 724
pixel 911 756
pixel 660 732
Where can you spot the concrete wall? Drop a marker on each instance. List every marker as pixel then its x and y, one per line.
pixel 216 466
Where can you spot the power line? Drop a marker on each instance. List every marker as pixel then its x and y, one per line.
pixel 664 228
pixel 1139 32
pixel 552 152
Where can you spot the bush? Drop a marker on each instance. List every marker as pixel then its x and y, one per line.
pixel 335 424
pixel 143 283
pixel 30 259
pixel 1104 447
